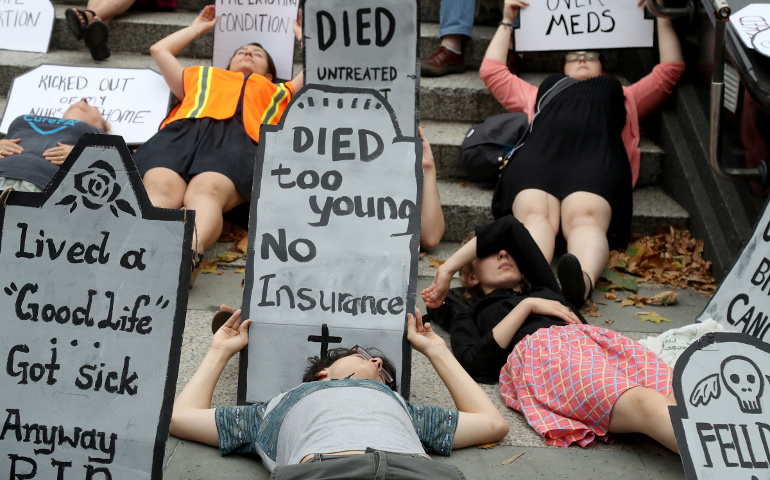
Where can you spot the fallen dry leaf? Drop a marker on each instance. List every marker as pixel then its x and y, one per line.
pixel 421 254
pixel 513 458
pixel 435 262
pixel 654 318
pixel 208 266
pixel 239 270
pixel 243 245
pixel 488 445
pixel 634 300
pixel 610 296
pixel 463 184
pixel 669 257
pixel 229 257
pixel 669 297
pixel 590 309
pixel 609 321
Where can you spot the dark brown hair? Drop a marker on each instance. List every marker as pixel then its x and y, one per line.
pixel 316 364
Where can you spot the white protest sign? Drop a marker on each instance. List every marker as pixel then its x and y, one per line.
pixel 341 269
pixel 583 24
pixel 269 23
pixel 134 101
pixel 749 21
pixel 366 44
pixel 741 303
pixel 26 25
pixel 721 419
pixel 761 42
pixel 93 292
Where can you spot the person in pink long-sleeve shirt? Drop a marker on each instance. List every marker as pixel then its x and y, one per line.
pixel 544 207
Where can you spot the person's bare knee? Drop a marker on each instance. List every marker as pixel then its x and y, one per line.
pixel 165 187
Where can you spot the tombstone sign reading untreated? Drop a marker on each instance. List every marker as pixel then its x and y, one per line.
pixel 93 295
pixel 742 302
pixel 269 23
pixel 366 44
pixel 26 25
pixel 581 24
pixel 722 414
pixel 333 237
pixel 133 100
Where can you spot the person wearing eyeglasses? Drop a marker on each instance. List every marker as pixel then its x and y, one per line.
pixel 346 420
pixel 576 169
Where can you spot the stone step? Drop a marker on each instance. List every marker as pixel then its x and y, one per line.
pixel 446 142
pixel 467 204
pixel 461 97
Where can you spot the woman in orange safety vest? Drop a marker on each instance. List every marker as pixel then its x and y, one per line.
pixel 203 156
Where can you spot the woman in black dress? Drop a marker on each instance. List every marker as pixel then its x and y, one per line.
pixel 577 167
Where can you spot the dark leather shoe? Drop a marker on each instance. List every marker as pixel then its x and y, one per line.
pixel 442 62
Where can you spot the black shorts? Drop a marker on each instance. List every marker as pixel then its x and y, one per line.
pixel 374 464
pixel 192 146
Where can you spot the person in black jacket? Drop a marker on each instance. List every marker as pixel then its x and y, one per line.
pixel 573 382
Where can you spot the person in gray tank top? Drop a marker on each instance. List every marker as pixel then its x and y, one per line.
pixel 346 420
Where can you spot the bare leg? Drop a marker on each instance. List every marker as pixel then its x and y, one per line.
pixel 644 410
pixel 585 219
pixel 165 187
pixel 539 212
pixel 210 194
pixel 106 10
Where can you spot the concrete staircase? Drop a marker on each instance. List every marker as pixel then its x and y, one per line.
pixel 448 105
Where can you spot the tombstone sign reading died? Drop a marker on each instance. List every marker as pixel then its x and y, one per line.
pixel 26 25
pixel 722 414
pixel 333 237
pixel 271 24
pixel 366 44
pixel 742 301
pixel 583 24
pixel 93 295
pixel 134 101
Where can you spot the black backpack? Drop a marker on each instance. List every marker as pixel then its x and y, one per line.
pixel 488 144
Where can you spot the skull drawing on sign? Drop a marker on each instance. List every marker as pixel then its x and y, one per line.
pixel 742 378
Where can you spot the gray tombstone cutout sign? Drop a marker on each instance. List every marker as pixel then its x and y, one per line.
pixel 742 302
pixel 366 44
pixel 93 295
pixel 333 237
pixel 722 416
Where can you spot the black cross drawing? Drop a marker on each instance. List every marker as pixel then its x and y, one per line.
pixel 325 339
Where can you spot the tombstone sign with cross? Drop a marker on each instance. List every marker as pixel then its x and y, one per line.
pixel 93 295
pixel 333 237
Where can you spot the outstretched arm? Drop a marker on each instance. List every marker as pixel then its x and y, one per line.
pixel 193 417
pixel 432 219
pixel 165 50
pixel 498 47
pixel 479 420
pixel 436 293
pixel 668 42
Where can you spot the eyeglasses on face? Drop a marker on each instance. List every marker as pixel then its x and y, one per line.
pixel 575 56
pixel 358 350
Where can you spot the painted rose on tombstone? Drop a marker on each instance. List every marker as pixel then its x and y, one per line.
pixel 98 187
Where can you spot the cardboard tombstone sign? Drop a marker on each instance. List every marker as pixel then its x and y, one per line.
pixel 26 25
pixel 742 301
pixel 134 100
pixel 93 295
pixel 752 23
pixel 366 44
pixel 271 24
pixel 583 24
pixel 722 416
pixel 333 237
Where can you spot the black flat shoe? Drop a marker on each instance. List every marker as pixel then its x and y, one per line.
pixel 96 35
pixel 571 278
pixel 77 21
pixel 219 319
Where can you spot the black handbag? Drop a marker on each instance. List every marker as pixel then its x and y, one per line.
pixel 487 144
